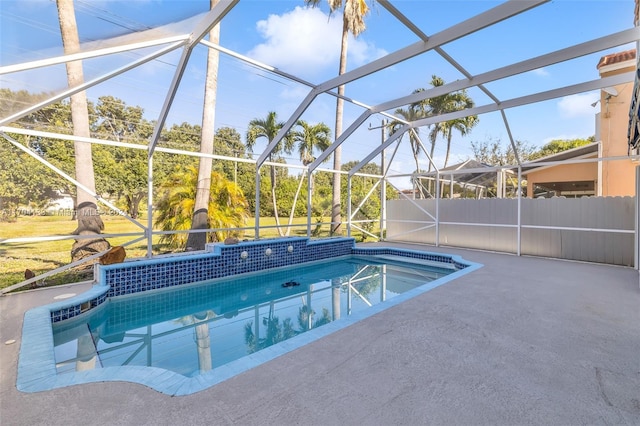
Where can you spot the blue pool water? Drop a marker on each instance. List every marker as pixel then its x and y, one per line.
pixel 195 329
pixel 181 324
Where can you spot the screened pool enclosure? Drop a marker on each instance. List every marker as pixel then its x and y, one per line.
pixel 517 60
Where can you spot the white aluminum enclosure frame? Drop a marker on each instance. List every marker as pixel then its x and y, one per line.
pixel 435 42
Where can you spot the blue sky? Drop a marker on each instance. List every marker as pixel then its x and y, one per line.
pixel 305 42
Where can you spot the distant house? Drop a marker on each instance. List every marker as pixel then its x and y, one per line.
pixel 65 202
pixel 567 180
pixel 602 178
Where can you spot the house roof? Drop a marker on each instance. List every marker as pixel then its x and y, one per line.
pixel 475 175
pixel 468 164
pixel 579 152
pixel 615 58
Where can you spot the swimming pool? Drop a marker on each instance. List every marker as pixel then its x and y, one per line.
pixel 179 340
pixel 198 327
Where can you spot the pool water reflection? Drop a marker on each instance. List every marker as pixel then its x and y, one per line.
pixel 196 328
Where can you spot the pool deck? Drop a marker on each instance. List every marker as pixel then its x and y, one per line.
pixel 522 340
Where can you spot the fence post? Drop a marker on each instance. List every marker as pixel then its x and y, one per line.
pixel 518 248
pixel 149 230
pixel 636 240
pixel 437 208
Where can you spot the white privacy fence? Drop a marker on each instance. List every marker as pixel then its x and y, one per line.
pixel 594 229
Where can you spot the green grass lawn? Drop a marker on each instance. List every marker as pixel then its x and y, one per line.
pixel 46 256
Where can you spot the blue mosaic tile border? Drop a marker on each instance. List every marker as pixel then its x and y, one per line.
pixel 219 260
pixel 78 306
pixel 431 257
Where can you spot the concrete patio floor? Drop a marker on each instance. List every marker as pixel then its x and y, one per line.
pixel 522 340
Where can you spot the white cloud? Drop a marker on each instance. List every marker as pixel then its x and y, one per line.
pixel 307 41
pixel 542 72
pixel 578 105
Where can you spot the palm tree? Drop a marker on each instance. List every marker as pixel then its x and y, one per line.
pixel 352 22
pixel 306 315
pixel 450 102
pixel 89 221
pixel 276 333
pixel 227 206
pixel 462 125
pixel 269 128
pixel 308 139
pixel 197 241
pixel 436 106
pixel 412 113
pixel 311 138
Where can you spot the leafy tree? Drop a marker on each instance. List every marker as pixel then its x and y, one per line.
pixel 268 128
pixel 182 136
pixel 494 153
pixel 117 121
pixel 228 142
pixel 360 186
pixel 23 182
pixel 321 199
pixel 227 206
pixel 559 145
pixel 123 171
pixel 14 101
pixel 352 22
pixel 287 205
pixel 60 153
pixel 34 183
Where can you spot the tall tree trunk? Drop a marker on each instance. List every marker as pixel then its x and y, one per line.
pixel 432 150
pixel 203 341
pixel 336 207
pixel 197 241
pixel 133 202
pixel 293 206
pixel 86 353
pixel 417 182
pixel 446 157
pixel 272 170
pixel 89 221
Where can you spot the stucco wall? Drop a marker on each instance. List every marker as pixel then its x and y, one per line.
pixel 565 173
pixel 618 177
